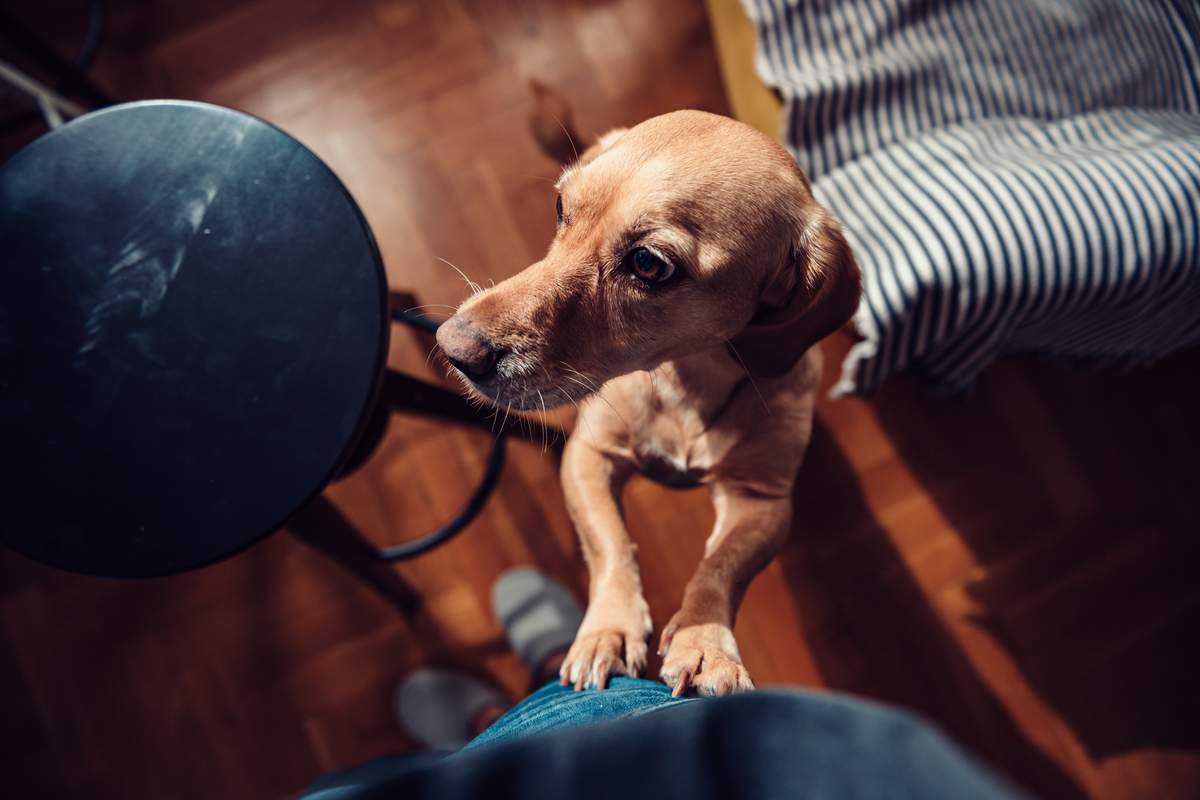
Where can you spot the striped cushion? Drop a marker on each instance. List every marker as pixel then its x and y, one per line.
pixel 1014 175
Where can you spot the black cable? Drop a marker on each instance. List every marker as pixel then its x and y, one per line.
pixel 94 35
pixel 491 474
pixel 416 320
pixel 475 504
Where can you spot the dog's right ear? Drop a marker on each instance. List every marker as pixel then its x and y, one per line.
pixel 553 126
pixel 825 289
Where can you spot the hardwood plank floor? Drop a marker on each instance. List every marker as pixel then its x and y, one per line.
pixel 1018 564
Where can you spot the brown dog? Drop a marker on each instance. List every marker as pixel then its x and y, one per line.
pixel 679 303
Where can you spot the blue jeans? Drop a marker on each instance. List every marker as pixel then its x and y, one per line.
pixel 555 708
pixel 633 739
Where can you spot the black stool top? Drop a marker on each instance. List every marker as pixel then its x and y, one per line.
pixel 193 324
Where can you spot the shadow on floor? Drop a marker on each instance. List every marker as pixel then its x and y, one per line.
pixel 1096 604
pixel 876 635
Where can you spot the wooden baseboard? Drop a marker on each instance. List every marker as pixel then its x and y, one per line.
pixel 750 99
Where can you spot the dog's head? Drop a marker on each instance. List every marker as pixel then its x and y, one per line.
pixel 686 232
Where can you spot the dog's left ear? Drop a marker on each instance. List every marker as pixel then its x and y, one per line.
pixel 826 287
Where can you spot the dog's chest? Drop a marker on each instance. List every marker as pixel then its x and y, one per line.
pixel 670 469
pixel 674 448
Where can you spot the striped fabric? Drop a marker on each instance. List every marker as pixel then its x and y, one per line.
pixel 1014 175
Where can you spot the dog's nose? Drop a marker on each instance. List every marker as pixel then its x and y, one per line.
pixel 467 349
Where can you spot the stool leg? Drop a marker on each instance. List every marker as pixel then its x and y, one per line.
pixel 321 526
pixel 24 41
pixel 403 301
pixel 406 394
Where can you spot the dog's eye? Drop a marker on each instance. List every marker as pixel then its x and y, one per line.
pixel 558 208
pixel 645 265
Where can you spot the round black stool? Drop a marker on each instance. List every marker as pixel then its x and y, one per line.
pixel 193 331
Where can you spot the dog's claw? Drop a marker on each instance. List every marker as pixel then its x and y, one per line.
pixel 602 677
pixel 596 656
pixel 664 641
pixel 704 657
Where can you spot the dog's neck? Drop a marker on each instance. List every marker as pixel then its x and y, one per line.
pixel 702 381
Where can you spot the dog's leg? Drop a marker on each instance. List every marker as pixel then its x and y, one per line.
pixel 697 645
pixel 612 638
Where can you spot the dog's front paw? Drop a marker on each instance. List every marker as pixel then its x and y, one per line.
pixel 611 641
pixel 703 656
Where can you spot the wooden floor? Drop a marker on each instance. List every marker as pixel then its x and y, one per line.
pixel 1019 565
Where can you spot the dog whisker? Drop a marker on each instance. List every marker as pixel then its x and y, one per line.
pixel 543 178
pixel 507 408
pixel 506 175
pixel 580 417
pixel 562 393
pixel 495 416
pixel 561 433
pixel 593 390
pixel 585 382
pixel 595 387
pixel 613 408
pixel 567 133
pixel 544 420
pixel 761 399
pixel 542 400
pixel 472 285
pixel 587 390
pixel 429 355
pixel 432 305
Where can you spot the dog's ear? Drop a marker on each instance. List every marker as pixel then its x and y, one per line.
pixel 553 124
pixel 825 287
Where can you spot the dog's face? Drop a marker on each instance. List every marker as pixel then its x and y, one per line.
pixel 672 237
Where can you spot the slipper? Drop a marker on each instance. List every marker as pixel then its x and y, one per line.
pixel 439 708
pixel 539 616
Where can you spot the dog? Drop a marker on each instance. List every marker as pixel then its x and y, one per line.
pixel 691 274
